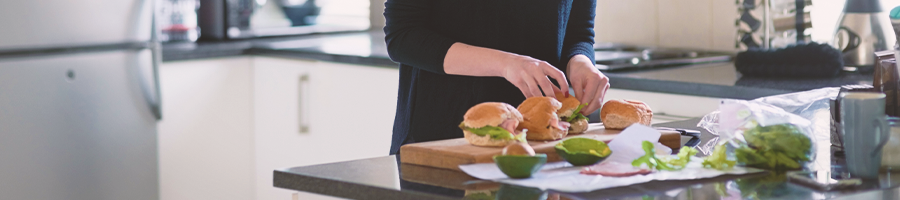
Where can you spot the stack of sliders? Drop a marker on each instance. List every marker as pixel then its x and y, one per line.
pixel 497 124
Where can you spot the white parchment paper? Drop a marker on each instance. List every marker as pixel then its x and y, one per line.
pixel 563 177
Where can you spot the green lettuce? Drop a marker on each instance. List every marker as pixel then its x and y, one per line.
pixel 781 146
pixel 576 115
pixel 494 132
pixel 718 160
pixel 670 164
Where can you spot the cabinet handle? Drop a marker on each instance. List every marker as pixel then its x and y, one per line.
pixel 303 103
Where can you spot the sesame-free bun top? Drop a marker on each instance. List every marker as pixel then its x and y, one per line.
pixel 541 118
pixel 490 114
pixel 619 114
pixel 569 104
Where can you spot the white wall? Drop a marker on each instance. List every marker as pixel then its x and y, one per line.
pixel 699 24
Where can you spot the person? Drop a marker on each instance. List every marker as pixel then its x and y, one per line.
pixel 455 54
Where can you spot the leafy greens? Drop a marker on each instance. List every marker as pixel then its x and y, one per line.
pixel 496 133
pixel 718 159
pixel 575 114
pixel 781 146
pixel 670 164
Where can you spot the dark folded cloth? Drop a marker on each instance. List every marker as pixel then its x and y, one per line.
pixel 800 60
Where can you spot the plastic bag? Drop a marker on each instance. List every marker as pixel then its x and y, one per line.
pixel 807 112
pixel 762 135
pixel 765 136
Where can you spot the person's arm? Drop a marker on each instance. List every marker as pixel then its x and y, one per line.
pixel 407 38
pixel 578 46
pixel 410 42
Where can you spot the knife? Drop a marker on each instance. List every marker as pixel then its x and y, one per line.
pixel 694 134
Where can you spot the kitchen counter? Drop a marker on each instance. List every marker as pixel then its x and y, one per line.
pixel 717 80
pixel 387 178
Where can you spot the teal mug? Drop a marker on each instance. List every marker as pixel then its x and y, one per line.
pixel 865 131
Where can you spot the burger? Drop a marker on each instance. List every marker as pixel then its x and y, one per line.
pixel 541 119
pixel 619 114
pixel 492 124
pixel 571 112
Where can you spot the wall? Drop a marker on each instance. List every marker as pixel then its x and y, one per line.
pixel 698 24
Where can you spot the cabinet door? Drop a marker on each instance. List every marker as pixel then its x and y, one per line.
pixel 347 112
pixel 206 134
pixel 361 102
pixel 280 87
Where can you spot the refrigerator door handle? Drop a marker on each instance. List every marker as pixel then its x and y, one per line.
pixel 151 88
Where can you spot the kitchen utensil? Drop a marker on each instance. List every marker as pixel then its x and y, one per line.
pixel 449 154
pixel 770 24
pixel 177 20
pixel 890 153
pixel 865 131
pixel 863 29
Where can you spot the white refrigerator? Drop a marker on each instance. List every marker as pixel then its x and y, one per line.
pixel 79 100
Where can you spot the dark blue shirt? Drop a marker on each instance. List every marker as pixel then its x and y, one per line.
pixel 431 103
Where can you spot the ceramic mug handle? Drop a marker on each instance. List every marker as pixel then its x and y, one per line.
pixel 884 133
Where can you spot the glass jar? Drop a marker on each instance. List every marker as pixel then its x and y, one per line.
pixel 890 154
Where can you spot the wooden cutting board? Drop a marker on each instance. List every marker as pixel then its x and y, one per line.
pixel 449 154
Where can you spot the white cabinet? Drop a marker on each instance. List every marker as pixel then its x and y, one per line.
pixel 227 123
pixel 348 111
pixel 206 133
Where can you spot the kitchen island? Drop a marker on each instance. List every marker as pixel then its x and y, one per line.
pixel 387 178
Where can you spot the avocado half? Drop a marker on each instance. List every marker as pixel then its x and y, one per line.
pixel 520 166
pixel 582 151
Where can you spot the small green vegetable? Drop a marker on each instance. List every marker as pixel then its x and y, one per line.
pixel 494 132
pixel 671 164
pixel 576 114
pixel 683 157
pixel 718 160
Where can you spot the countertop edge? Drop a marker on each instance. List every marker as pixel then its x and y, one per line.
pixel 349 59
pixel 691 89
pixel 337 188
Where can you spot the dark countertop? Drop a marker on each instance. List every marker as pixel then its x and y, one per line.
pixel 717 80
pixel 386 178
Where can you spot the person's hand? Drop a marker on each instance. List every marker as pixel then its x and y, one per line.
pixel 530 76
pixel 589 84
pixel 526 73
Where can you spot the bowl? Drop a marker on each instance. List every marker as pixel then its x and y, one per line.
pixel 520 166
pixel 582 151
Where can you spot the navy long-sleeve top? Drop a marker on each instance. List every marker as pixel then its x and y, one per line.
pixel 431 103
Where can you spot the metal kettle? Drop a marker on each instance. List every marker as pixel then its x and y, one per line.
pixel 864 28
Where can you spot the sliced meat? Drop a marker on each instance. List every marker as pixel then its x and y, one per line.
pixel 510 125
pixel 563 125
pixel 615 169
pixel 558 124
